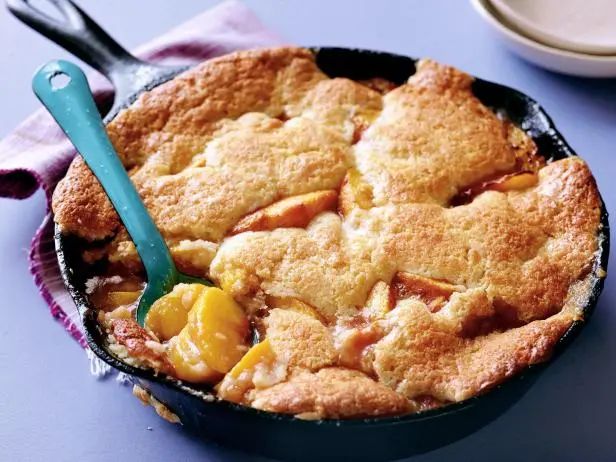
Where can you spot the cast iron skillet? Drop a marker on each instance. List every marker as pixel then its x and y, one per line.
pixel 278 435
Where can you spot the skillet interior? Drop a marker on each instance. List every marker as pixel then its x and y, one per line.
pixel 283 436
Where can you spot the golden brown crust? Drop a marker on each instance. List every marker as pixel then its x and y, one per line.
pixel 162 132
pixel 333 393
pixel 432 138
pixel 422 355
pixel 137 343
pixel 299 340
pixel 510 244
pixel 81 206
pixel 240 161
pixel 148 400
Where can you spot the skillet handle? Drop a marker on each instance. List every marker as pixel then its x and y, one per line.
pixel 77 33
pixel 84 38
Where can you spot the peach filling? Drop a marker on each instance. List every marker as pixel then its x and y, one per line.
pixel 169 314
pixel 381 300
pixel 354 192
pixel 121 298
pixel 291 212
pixel 356 347
pixel 110 292
pixel 505 183
pixel 207 331
pixel 254 367
pixel 432 292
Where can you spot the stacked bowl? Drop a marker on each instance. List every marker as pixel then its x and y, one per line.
pixel 576 37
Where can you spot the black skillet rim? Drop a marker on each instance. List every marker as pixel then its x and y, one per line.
pixel 533 120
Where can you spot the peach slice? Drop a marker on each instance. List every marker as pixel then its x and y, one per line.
pixel 213 338
pixel 218 327
pixel 292 212
pixel 168 314
pixel 431 291
pixel 240 379
pixel 187 362
pixel 515 182
pixel 120 298
pixel 354 192
pixel 356 347
pixel 121 312
pixel 505 183
pixel 261 353
pixel 380 301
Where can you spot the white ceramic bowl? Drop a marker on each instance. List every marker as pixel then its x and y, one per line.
pixel 555 59
pixel 584 26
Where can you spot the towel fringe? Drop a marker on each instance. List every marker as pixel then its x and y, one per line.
pixel 123 379
pixel 98 368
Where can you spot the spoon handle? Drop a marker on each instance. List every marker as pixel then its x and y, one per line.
pixel 63 89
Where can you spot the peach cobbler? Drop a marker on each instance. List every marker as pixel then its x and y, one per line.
pixel 376 249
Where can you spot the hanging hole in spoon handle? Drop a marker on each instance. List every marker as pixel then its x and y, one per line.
pixel 77 33
pixel 59 81
pixel 63 89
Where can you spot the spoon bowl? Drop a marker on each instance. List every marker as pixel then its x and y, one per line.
pixel 63 89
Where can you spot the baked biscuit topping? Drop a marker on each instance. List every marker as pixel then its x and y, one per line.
pixel 395 248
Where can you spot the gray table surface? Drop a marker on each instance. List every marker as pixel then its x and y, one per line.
pixel 52 409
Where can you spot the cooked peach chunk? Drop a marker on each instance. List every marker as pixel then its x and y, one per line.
pixel 516 182
pixel 354 193
pixel 505 183
pixel 356 347
pixel 293 304
pixel 261 353
pixel 380 301
pixel 241 378
pixel 292 212
pixel 187 361
pixel 213 339
pixel 168 314
pixel 219 328
pixel 433 292
pixel 123 297
pixel 121 312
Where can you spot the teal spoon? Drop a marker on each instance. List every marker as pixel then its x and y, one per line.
pixel 63 89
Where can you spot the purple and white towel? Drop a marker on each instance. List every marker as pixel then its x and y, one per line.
pixel 36 154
